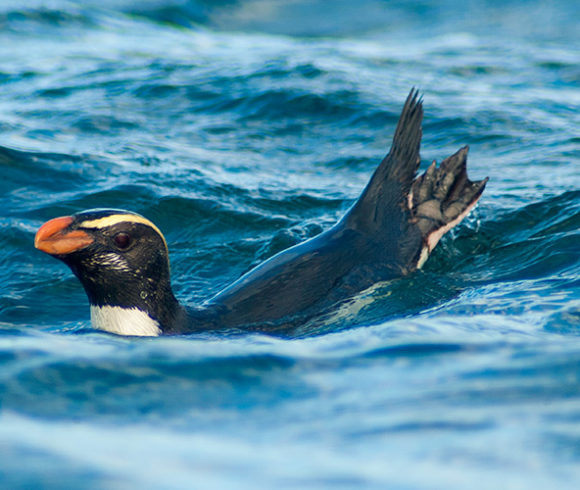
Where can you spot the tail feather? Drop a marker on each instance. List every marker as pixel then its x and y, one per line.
pixel 410 214
pixel 392 180
pixel 402 162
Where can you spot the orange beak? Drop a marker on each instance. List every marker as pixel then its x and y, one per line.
pixel 53 238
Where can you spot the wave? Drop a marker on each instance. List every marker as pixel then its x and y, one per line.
pixel 537 240
pixel 113 379
pixel 302 18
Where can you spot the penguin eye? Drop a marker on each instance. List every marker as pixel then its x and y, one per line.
pixel 122 240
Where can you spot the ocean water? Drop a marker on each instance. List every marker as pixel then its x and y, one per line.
pixel 244 127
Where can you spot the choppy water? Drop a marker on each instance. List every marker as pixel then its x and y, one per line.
pixel 243 127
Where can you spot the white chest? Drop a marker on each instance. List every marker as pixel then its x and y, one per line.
pixel 124 321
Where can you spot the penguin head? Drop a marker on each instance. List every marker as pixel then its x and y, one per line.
pixel 122 261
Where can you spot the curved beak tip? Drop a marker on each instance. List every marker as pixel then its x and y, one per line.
pixel 53 237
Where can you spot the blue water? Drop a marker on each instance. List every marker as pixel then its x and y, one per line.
pixel 241 128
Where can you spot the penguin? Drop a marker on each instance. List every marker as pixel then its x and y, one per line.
pixel 122 259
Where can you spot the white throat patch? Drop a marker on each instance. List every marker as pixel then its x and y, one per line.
pixel 124 321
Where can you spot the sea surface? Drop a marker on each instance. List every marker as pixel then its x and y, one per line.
pixel 241 128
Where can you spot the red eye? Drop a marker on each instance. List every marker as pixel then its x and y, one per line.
pixel 122 240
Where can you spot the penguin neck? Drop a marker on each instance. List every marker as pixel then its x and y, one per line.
pixel 139 320
pixel 137 309
pixel 124 321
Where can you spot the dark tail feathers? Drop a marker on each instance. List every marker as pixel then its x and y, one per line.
pixel 395 202
pixel 392 180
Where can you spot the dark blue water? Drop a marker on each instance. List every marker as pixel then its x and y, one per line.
pixel 241 128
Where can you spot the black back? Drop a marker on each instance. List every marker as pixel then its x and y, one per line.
pixel 373 242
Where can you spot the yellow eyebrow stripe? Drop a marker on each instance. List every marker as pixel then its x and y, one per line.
pixel 121 218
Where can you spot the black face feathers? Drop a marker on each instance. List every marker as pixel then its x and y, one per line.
pixel 126 264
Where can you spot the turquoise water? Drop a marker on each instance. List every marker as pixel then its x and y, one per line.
pixel 241 128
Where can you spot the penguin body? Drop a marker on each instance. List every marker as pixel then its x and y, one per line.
pixel 122 258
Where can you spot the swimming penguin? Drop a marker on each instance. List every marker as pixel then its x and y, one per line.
pixel 122 258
